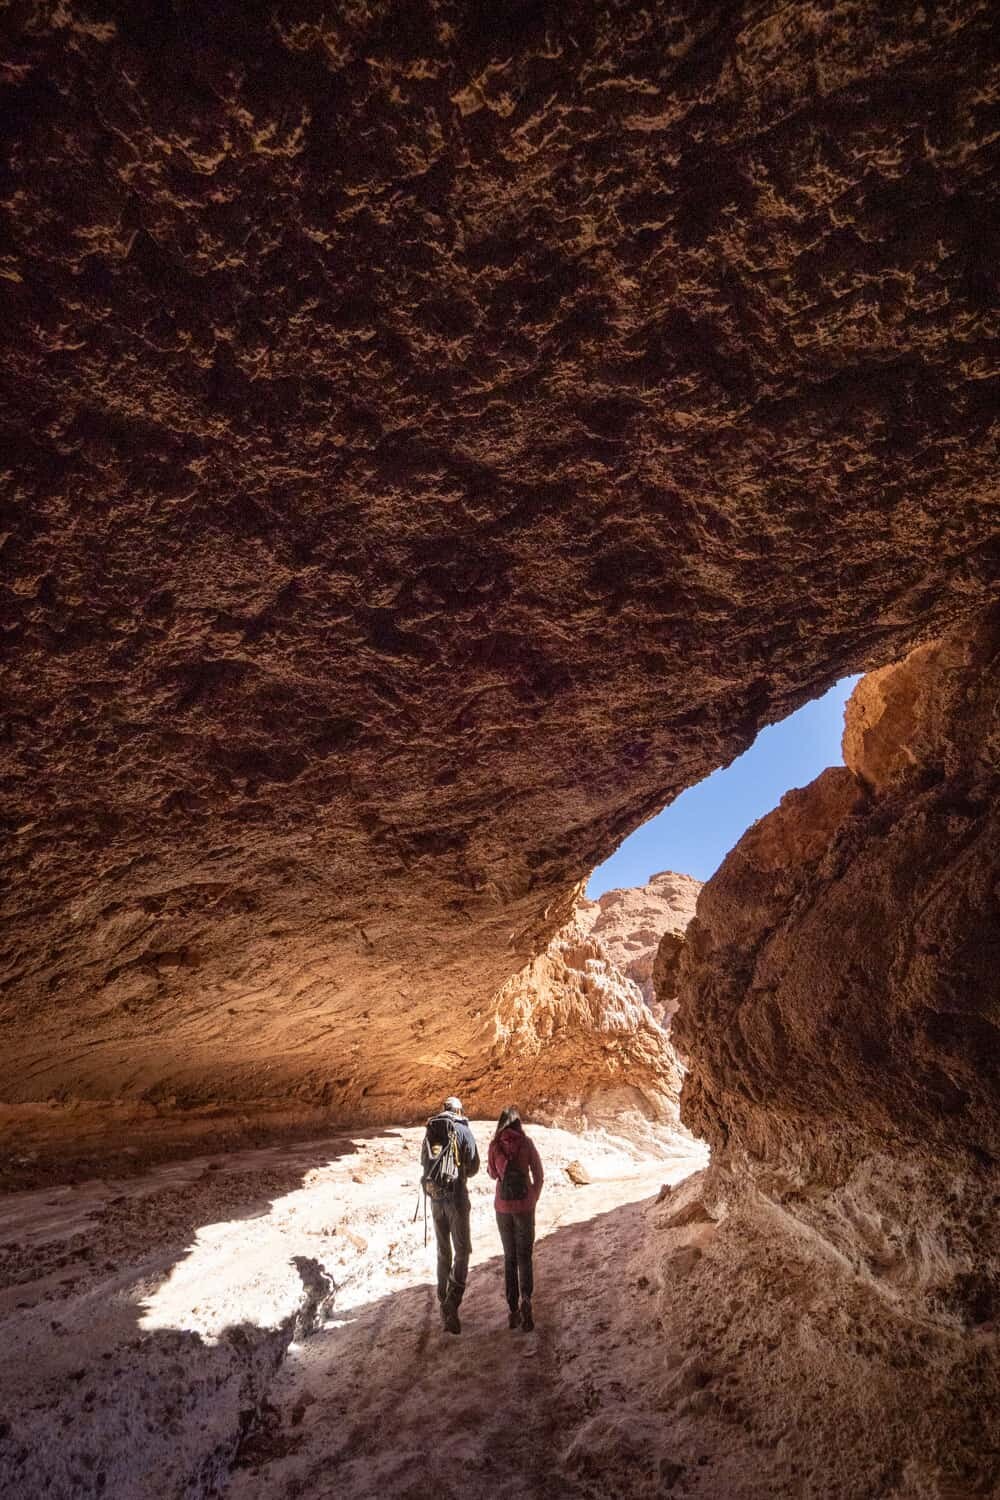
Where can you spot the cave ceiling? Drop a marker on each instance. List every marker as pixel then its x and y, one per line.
pixel 434 436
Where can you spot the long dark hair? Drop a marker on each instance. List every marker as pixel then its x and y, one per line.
pixel 509 1119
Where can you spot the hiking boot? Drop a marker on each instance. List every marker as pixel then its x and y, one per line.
pixel 514 1318
pixel 527 1321
pixel 449 1315
pixel 449 1310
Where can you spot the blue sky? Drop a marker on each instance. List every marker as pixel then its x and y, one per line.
pixel 696 832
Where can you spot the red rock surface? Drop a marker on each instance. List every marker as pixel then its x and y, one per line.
pixel 839 996
pixel 434 436
pixel 924 716
pixel 631 922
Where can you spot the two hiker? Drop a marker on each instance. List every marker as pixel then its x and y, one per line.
pixel 448 1158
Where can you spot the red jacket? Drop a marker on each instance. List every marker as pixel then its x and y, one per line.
pixel 513 1146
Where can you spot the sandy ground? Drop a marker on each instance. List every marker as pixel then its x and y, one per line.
pixel 486 1413
pixel 145 1320
pixel 264 1325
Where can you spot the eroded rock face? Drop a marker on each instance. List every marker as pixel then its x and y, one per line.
pixel 666 975
pixel 840 1005
pixel 929 716
pixel 578 1016
pixel 435 437
pixel 634 922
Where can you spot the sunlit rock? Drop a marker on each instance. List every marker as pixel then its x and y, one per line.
pixel 840 1008
pixel 573 1020
pixel 636 924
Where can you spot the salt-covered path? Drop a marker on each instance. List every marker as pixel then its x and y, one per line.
pixel 269 1315
pixel 382 1402
pixel 262 1326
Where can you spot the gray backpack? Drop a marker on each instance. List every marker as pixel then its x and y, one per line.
pixel 443 1156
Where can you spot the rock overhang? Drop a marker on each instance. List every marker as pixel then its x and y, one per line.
pixel 433 444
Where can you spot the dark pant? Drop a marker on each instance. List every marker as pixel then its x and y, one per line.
pixel 451 1227
pixel 517 1232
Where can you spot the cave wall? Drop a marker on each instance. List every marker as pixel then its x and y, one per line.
pixel 840 1002
pixel 434 437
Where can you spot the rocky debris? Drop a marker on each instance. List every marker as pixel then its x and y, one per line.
pixel 685 1203
pixel 578 1174
pixel 839 1000
pixel 633 923
pixel 432 441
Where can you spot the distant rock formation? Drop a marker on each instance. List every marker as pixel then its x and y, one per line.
pixel 574 1018
pixel 632 923
pixel 591 989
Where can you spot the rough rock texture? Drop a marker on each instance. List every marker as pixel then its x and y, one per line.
pixel 578 1017
pixel 434 436
pixel 933 714
pixel 666 976
pixel 840 1005
pixel 633 922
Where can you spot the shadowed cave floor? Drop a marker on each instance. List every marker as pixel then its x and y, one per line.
pixel 263 1324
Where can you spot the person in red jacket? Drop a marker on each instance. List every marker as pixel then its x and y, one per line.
pixel 515 1164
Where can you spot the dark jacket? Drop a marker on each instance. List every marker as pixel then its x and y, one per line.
pixel 513 1145
pixel 468 1151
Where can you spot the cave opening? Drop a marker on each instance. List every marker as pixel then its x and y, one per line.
pixel 639 901
pixel 694 833
pixel 434 436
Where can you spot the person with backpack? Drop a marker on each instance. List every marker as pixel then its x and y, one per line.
pixel 515 1164
pixel 448 1157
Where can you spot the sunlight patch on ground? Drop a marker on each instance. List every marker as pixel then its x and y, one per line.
pixel 351 1228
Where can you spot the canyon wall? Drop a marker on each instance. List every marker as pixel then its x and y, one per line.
pixel 578 1029
pixel 640 925
pixel 578 1032
pixel 840 1002
pixel 434 437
